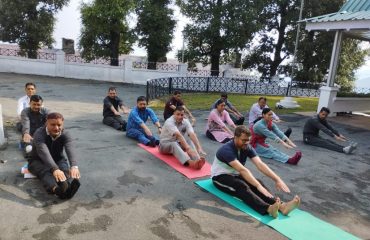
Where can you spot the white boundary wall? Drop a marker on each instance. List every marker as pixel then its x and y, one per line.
pixel 60 68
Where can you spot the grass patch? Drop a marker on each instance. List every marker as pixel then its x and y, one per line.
pixel 203 101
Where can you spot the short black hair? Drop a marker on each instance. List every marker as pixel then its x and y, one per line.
pixel 219 101
pixel 176 92
pixel 264 98
pixel 30 84
pixel 140 99
pixel 179 108
pixel 265 110
pixel 36 98
pixel 325 109
pixel 112 89
pixel 241 129
pixel 224 95
pixel 55 115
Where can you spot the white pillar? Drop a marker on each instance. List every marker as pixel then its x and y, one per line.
pixel 327 95
pixel 334 58
pixel 2 136
pixel 183 69
pixel 127 75
pixel 59 63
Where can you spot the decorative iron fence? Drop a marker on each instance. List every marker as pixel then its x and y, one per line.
pixel 15 52
pixel 98 61
pixel 164 86
pixel 167 67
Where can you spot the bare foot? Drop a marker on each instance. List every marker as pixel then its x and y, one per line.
pixel 196 164
pixel 286 208
pixel 273 209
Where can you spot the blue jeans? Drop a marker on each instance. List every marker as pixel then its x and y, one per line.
pixel 140 136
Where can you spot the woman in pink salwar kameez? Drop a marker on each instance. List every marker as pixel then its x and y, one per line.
pixel 216 128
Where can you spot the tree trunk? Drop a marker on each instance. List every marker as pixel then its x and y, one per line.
pixel 114 48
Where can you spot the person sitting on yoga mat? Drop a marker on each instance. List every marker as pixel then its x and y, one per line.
pixel 174 102
pixel 266 128
pixel 48 163
pixel 255 114
pixel 136 127
pixel 235 115
pixel 311 135
pixel 179 139
pixel 216 128
pixel 231 176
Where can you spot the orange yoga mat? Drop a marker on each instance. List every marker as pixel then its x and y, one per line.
pixel 174 163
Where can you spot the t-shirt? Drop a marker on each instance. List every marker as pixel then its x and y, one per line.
pixel 168 111
pixel 108 102
pixel 170 127
pixel 228 153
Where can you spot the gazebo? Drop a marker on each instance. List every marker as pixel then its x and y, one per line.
pixel 352 20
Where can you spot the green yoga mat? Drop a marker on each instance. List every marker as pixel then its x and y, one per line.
pixel 298 225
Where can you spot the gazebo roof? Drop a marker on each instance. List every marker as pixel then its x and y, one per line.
pixel 353 18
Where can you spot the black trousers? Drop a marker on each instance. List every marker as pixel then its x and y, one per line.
pixel 237 120
pixel 322 142
pixel 42 172
pixel 238 187
pixel 115 122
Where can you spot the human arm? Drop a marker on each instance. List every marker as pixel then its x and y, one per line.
pixel 191 117
pixel 261 129
pixel 70 151
pixel 262 167
pixel 337 135
pixel 124 109
pixel 246 174
pixel 282 136
pixel 196 142
pixel 25 121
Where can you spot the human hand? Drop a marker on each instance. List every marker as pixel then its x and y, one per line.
pixel 193 121
pixel 159 130
pixel 117 113
pixel 286 145
pixel 280 185
pixel 74 173
pixel 339 138
pixel 263 190
pixel 59 176
pixel 27 138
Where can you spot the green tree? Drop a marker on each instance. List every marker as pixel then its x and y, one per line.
pixel 29 23
pixel 105 32
pixel 219 28
pixel 155 28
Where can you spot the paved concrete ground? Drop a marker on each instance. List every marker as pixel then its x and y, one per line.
pixel 127 193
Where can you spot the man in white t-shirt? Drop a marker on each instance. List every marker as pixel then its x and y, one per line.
pixel 24 102
pixel 179 139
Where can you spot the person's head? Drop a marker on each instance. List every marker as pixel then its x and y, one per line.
pixel 241 137
pixel 54 123
pixel 220 105
pixel 36 103
pixel 224 96
pixel 262 102
pixel 112 92
pixel 30 89
pixel 141 103
pixel 324 112
pixel 178 114
pixel 267 114
pixel 177 95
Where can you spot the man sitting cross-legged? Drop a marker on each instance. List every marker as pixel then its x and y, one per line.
pixel 231 176
pixel 48 162
pixel 136 127
pixel 178 138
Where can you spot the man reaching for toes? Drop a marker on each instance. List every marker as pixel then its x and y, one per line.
pixel 231 176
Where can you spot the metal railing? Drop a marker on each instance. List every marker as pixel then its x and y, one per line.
pixel 163 86
pixel 167 67
pixel 98 61
pixel 15 52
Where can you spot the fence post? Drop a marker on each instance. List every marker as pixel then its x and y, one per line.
pixel 170 85
pixel 127 71
pixel 246 86
pixel 2 136
pixel 207 87
pixel 59 63
pixel 147 91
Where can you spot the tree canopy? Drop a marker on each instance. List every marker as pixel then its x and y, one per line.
pixel 29 23
pixel 105 32
pixel 155 28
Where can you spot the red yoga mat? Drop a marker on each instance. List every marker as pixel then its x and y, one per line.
pixel 174 163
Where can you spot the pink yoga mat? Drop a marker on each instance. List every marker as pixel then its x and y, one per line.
pixel 173 162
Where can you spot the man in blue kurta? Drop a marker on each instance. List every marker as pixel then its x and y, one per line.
pixel 136 123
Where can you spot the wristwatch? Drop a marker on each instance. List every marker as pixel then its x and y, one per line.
pixel 75 167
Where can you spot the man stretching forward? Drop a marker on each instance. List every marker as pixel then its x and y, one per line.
pixel 173 140
pixel 47 160
pixel 136 127
pixel 231 176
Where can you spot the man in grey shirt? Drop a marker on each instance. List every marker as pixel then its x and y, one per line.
pixel 48 163
pixel 32 118
pixel 174 140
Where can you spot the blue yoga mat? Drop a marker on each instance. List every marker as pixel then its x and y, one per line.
pixel 298 225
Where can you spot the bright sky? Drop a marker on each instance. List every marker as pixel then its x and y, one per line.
pixel 68 25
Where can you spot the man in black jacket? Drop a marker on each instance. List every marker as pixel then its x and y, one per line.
pixel 48 162
pixel 311 133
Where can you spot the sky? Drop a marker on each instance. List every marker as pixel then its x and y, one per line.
pixel 68 25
